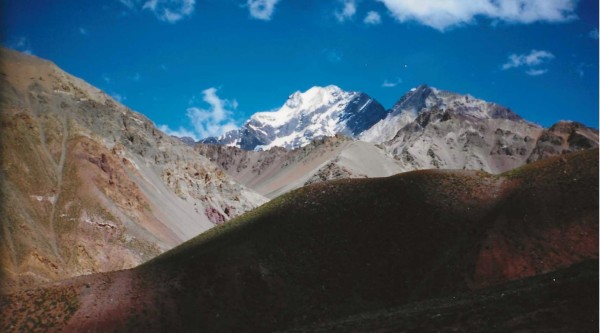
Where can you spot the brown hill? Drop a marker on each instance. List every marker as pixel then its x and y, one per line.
pixel 340 248
pixel 88 185
pixel 565 300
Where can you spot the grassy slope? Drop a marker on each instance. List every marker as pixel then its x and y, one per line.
pixel 336 249
pixel 346 246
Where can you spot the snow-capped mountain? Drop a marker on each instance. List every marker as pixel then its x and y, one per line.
pixel 427 128
pixel 422 98
pixel 317 112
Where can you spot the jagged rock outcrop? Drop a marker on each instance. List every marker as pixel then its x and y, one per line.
pixel 563 137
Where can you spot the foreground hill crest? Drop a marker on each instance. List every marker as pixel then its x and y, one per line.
pixel 340 248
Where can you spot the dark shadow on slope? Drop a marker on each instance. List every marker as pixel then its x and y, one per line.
pixel 564 300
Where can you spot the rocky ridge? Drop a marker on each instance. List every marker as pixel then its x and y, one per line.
pixel 431 128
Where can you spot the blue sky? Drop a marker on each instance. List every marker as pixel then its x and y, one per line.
pixel 199 67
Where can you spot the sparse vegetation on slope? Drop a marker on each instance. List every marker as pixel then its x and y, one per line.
pixel 340 248
pixel 526 305
pixel 87 185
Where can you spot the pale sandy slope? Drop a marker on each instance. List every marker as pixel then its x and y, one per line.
pixel 277 171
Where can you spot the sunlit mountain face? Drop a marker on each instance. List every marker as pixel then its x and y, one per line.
pixel 299 166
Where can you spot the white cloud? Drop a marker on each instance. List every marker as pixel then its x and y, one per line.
pixel 372 18
pixel 536 72
pixel 391 84
pixel 21 44
pixel 128 3
pixel 170 11
pixel 215 120
pixel 262 9
pixel 106 78
pixel 593 34
pixel 443 14
pixel 347 12
pixel 530 62
pixel 534 58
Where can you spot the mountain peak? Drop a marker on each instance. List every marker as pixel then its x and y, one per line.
pixel 422 87
pixel 305 116
pixel 316 95
pixel 423 101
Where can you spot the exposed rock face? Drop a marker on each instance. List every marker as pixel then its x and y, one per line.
pixel 90 186
pixel 427 128
pixel 423 98
pixel 564 137
pixel 332 171
pixel 318 112
pixel 449 139
pixel 431 128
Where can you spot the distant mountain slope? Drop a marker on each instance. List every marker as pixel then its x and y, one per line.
pixel 563 137
pixel 317 112
pixel 427 129
pixel 277 171
pixel 431 128
pixel 336 249
pixel 88 185
pixel 422 98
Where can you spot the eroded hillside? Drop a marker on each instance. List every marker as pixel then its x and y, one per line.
pixel 336 249
pixel 90 186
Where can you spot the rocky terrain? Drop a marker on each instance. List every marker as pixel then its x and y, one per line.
pixel 426 129
pixel 277 170
pixel 563 137
pixel 88 185
pixel 420 251
pixel 431 128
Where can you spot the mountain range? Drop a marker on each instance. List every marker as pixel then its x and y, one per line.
pixel 427 128
pixel 443 213
pixel 425 250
